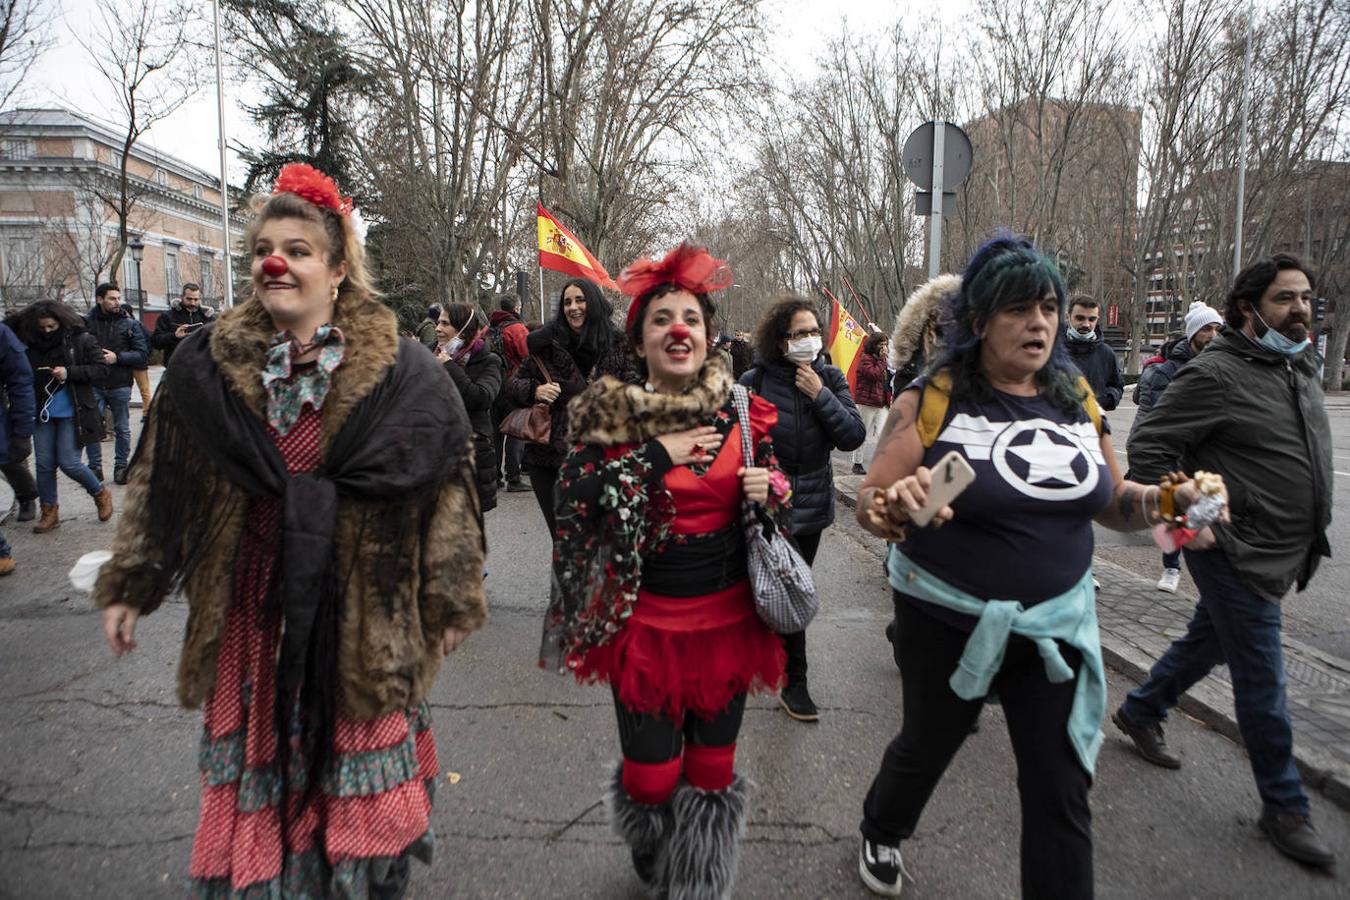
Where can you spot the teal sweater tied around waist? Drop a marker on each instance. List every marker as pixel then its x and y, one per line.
pixel 1071 617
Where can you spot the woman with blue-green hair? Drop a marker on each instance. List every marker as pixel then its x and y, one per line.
pixel 994 596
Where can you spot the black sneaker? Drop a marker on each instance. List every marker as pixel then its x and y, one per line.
pixel 119 474
pixel 1295 837
pixel 1148 740
pixel 858 469
pixel 797 703
pixel 881 868
pixel 27 510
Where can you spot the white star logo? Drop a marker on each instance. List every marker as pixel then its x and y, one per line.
pixel 1047 460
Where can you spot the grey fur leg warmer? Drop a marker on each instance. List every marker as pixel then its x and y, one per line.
pixel 700 859
pixel 645 827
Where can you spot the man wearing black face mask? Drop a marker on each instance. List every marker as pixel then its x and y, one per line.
pixel 1249 406
pixel 1090 353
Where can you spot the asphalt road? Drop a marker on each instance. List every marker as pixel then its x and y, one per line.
pixel 1318 615
pixel 98 795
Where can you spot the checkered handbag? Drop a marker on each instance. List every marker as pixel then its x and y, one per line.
pixel 785 594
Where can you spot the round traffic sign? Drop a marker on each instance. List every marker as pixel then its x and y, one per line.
pixel 957 154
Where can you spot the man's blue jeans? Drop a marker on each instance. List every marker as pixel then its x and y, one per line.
pixel 55 447
pixel 1235 626
pixel 119 401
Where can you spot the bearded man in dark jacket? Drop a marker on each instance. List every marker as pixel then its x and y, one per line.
pixel 184 317
pixel 1251 408
pixel 1091 354
pixel 124 351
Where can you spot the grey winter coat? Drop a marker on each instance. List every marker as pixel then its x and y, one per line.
pixel 1260 421
pixel 808 431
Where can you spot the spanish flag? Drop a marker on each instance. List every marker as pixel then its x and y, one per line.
pixel 846 340
pixel 560 251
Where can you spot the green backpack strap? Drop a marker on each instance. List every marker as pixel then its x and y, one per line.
pixel 937 396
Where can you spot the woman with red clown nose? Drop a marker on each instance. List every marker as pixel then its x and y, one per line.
pixel 651 593
pixel 322 520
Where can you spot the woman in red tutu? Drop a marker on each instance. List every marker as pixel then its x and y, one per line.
pixel 319 512
pixel 651 594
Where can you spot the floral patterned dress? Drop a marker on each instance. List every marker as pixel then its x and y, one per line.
pixel 374 802
pixel 667 653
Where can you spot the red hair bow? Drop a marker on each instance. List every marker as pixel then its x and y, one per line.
pixel 308 182
pixel 692 268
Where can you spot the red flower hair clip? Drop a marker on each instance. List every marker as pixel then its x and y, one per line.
pixel 308 182
pixel 692 268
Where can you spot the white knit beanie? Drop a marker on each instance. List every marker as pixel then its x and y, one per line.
pixel 1200 315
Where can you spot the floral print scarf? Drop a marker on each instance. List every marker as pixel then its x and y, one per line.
pixel 289 388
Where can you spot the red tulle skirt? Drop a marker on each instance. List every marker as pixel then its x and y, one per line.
pixel 688 654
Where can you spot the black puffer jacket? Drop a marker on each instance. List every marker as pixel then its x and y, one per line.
pixel 82 358
pixel 1155 378
pixel 1098 363
pixel 807 433
pixel 553 353
pixel 479 380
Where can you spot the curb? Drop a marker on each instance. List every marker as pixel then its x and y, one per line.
pixel 1207 702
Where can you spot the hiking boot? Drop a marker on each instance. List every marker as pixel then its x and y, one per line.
pixel 517 486
pixel 1148 740
pixel 797 703
pixel 50 521
pixel 881 868
pixel 6 566
pixel 858 469
pixel 27 510
pixel 1295 837
pixel 103 501
pixel 119 475
pixel 98 473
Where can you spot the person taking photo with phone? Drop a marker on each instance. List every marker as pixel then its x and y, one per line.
pixel 185 316
pixel 1004 397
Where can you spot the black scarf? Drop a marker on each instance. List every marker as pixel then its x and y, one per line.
pixel 399 445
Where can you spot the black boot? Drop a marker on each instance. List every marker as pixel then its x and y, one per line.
pixel 27 510
pixel 644 827
pixel 1295 837
pixel 699 862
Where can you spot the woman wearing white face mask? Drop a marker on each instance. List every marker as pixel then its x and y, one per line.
pixel 816 416
pixel 477 373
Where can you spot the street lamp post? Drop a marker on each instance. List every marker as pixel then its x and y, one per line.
pixel 137 251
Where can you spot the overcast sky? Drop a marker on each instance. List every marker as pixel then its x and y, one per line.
pixel 65 76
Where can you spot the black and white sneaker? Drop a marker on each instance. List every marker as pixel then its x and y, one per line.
pixel 881 868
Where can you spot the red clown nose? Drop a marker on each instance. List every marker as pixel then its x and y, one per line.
pixel 680 331
pixel 275 266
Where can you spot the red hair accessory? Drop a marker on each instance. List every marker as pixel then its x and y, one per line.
pixel 311 184
pixel 692 268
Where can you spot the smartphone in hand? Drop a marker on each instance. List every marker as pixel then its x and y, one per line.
pixel 951 476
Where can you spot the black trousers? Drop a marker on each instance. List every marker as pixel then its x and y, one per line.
pixel 1056 846
pixel 795 644
pixel 543 479
pixel 508 449
pixel 20 477
pixel 656 739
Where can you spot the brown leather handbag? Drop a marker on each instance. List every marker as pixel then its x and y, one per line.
pixel 533 423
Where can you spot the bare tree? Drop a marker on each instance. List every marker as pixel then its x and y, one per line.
pixel 142 53
pixel 25 34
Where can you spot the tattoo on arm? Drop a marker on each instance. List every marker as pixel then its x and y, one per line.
pixel 1126 504
pixel 900 418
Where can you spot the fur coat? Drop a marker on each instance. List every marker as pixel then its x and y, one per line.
pixel 387 656
pixel 915 341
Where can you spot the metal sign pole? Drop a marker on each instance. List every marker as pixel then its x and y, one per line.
pixel 935 222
